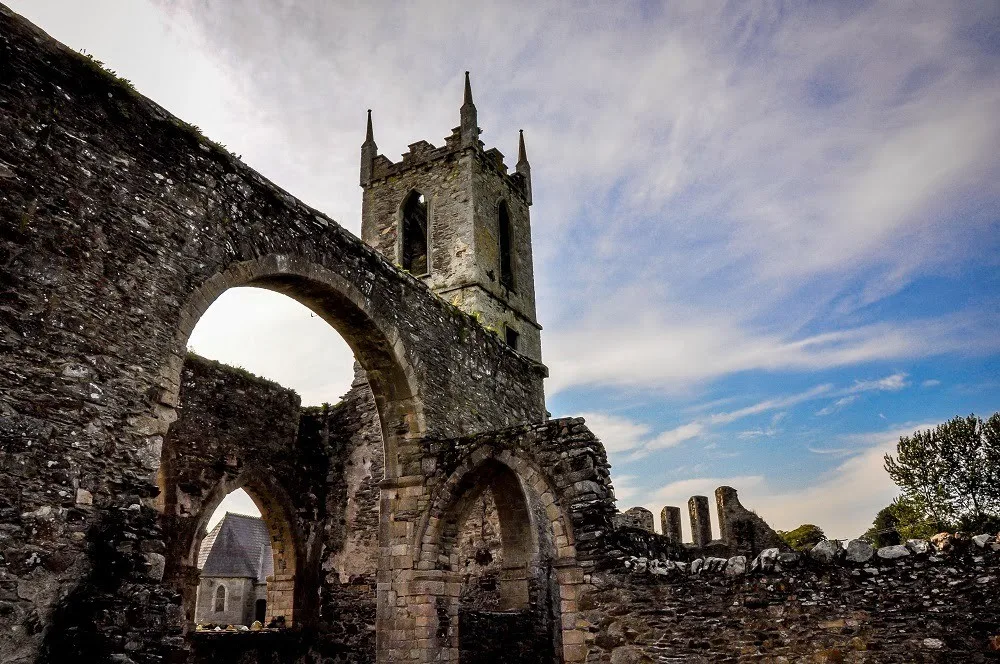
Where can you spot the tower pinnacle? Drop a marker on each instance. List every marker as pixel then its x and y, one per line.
pixel 468 91
pixel 470 120
pixel 523 168
pixel 368 153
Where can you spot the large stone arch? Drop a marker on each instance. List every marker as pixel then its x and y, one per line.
pixel 341 303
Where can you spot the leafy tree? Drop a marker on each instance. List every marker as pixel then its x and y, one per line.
pixel 804 537
pixel 951 472
pixel 904 518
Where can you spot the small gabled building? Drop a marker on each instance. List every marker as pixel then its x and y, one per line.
pixel 235 560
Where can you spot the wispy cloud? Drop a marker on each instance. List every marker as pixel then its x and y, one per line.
pixel 771 404
pixel 837 405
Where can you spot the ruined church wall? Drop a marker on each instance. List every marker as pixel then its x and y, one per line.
pixel 114 213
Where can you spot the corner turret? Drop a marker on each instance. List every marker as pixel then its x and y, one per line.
pixel 469 126
pixel 523 168
pixel 368 153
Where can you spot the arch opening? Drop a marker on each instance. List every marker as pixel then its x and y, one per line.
pixel 246 551
pixel 506 251
pixel 414 254
pixel 295 510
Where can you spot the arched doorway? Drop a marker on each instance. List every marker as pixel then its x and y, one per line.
pixel 537 568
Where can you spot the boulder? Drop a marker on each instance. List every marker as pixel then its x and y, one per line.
pixel 893 552
pixel 918 546
pixel 859 551
pixel 765 560
pixel 827 551
pixel 736 566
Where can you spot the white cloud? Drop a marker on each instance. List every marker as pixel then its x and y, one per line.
pixel 837 405
pixel 931 382
pixel 620 434
pixel 617 433
pixel 676 436
pixel 892 383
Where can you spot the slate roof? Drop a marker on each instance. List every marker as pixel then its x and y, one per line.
pixel 238 546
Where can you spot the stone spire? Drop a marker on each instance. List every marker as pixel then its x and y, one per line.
pixel 470 121
pixel 523 168
pixel 368 153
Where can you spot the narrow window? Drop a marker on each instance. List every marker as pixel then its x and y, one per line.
pixel 415 234
pixel 220 599
pixel 512 337
pixel 506 266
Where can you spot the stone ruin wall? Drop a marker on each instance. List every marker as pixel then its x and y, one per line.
pixel 120 225
pixel 914 603
pixel 747 597
pixel 237 430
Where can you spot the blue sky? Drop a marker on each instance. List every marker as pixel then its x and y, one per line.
pixel 766 234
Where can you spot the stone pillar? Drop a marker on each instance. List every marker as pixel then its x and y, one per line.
pixel 701 525
pixel 670 524
pixel 574 628
pixel 281 597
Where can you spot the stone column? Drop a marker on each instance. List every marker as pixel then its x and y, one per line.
pixel 701 525
pixel 670 523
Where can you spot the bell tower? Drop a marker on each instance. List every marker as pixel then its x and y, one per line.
pixel 456 219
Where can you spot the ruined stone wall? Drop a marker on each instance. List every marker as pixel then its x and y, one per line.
pixel 480 553
pixel 351 430
pixel 120 225
pixel 306 466
pixel 914 605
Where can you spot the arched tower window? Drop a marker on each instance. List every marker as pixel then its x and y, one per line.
pixel 506 263
pixel 414 250
pixel 220 599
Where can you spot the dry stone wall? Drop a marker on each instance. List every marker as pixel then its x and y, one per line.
pixel 912 603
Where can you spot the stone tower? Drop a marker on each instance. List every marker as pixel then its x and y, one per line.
pixel 455 218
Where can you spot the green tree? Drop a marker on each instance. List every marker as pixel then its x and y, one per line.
pixel 804 537
pixel 952 472
pixel 904 518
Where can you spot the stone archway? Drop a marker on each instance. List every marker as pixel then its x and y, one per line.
pixel 285 596
pixel 538 542
pixel 343 305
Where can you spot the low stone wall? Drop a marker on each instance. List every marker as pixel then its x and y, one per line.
pixel 919 602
